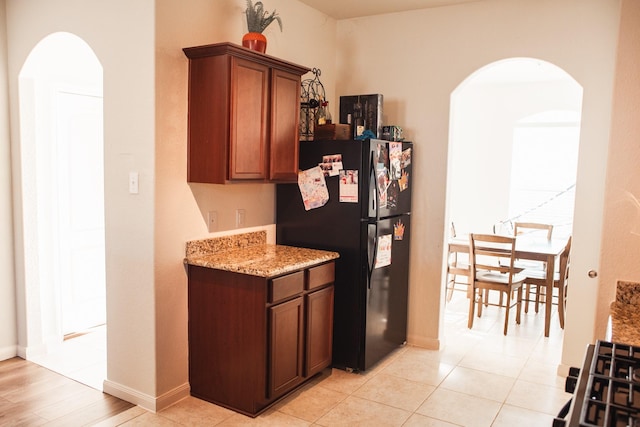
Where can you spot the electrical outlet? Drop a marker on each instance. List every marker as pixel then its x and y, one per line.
pixel 212 221
pixel 240 218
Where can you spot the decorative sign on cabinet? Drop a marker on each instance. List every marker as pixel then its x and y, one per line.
pixel 244 112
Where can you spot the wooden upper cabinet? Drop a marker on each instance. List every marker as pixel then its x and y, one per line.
pixel 244 110
pixel 249 113
pixel 285 120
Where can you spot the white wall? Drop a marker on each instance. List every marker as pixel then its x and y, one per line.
pixel 8 327
pixel 146 233
pixel 122 35
pixel 308 38
pixel 621 233
pixel 417 59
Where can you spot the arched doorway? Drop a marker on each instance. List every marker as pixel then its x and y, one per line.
pixel 61 134
pixel 515 129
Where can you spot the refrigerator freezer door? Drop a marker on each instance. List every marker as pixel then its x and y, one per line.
pixel 390 178
pixel 383 176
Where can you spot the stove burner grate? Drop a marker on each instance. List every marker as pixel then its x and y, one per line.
pixel 612 397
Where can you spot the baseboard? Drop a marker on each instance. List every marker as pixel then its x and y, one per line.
pixel 563 370
pixel 8 352
pixel 150 403
pixel 428 343
pixel 32 351
pixel 130 395
pixel 22 352
pixel 172 396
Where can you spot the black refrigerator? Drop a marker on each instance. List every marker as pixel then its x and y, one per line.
pixel 354 197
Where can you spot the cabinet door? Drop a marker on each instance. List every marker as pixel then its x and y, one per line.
pixel 319 332
pixel 249 107
pixel 285 346
pixel 285 118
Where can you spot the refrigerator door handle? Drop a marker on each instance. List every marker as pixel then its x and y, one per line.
pixel 372 264
pixel 375 199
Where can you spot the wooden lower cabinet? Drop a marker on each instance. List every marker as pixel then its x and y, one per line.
pixel 286 335
pixel 253 339
pixel 319 332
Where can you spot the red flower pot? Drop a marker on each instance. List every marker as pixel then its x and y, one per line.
pixel 255 41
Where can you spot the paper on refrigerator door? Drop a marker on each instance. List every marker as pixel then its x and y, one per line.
pixel 349 186
pixel 313 188
pixel 383 257
pixel 395 159
pixel 331 164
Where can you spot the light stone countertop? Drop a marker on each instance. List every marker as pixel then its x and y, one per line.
pixel 625 323
pixel 624 314
pixel 249 254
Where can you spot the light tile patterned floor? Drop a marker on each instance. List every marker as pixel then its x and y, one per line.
pixel 480 378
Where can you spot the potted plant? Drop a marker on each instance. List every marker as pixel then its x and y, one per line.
pixel 258 19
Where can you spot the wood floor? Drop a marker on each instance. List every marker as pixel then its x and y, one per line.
pixel 31 395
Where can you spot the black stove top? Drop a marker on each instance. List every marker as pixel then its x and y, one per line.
pixel 608 391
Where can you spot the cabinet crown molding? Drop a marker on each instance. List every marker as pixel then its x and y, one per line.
pixel 227 48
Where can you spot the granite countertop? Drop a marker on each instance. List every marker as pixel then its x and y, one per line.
pixel 624 314
pixel 625 323
pixel 250 254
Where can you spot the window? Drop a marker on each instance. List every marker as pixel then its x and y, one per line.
pixel 544 167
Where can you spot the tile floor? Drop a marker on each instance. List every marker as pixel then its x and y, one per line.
pixel 480 378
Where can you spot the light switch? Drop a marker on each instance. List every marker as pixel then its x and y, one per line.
pixel 133 182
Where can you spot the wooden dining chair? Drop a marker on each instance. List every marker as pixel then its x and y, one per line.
pixel 492 260
pixel 525 229
pixel 456 267
pixel 536 281
pixel 531 229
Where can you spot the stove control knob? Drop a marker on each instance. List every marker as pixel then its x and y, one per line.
pixel 559 422
pixel 572 380
pixel 593 274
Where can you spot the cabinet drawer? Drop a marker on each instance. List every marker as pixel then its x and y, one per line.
pixel 321 275
pixel 286 286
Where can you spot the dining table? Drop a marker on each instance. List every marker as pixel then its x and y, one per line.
pixel 530 249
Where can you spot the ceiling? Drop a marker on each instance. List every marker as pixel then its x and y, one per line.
pixel 343 9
